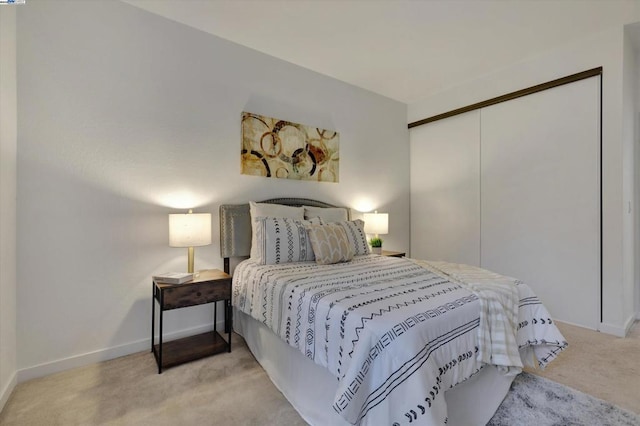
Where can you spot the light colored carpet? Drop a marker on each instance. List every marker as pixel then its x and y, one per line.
pixel 226 389
pixel 232 389
pixel 599 364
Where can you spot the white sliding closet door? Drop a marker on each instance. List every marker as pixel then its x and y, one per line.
pixel 540 196
pixel 445 190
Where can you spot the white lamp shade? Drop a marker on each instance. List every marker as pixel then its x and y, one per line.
pixel 190 229
pixel 376 223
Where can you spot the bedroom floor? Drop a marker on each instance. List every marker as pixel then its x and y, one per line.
pixel 599 364
pixel 233 389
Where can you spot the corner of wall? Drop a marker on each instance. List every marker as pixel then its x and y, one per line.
pixel 8 188
pixel 7 391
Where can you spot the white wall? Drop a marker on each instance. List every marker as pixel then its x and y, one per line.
pixel 8 140
pixel 123 115
pixel 603 49
pixel 445 189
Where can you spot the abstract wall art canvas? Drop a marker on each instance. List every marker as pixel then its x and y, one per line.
pixel 281 149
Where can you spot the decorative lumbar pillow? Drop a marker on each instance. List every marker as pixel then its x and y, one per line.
pixel 283 240
pixel 356 235
pixel 257 210
pixel 327 214
pixel 330 243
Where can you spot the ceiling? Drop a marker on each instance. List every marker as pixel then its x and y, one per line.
pixel 406 50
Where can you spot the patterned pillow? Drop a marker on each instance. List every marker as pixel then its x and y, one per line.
pixel 330 244
pixel 283 240
pixel 257 210
pixel 357 237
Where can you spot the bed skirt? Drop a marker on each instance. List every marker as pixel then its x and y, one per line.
pixel 310 388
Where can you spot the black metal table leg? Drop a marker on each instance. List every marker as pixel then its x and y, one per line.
pixel 153 313
pixel 227 319
pixel 160 337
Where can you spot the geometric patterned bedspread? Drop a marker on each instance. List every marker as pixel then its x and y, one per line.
pixel 396 335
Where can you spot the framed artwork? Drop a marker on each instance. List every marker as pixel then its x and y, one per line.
pixel 281 149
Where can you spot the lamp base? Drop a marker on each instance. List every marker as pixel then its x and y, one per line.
pixel 190 261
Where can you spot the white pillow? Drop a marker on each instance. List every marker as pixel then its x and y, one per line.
pixel 270 210
pixel 327 214
pixel 356 235
pixel 283 240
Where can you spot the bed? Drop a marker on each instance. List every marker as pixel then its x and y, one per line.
pixel 380 340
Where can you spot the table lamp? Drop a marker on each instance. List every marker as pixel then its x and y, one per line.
pixel 189 230
pixel 377 224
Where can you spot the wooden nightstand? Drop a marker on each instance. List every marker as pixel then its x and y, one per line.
pixel 209 286
pixel 393 253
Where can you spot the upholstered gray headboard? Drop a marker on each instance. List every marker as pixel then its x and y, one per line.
pixel 235 225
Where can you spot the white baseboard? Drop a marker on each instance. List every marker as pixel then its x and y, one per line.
pixel 105 354
pixel 8 389
pixel 617 330
pixel 578 325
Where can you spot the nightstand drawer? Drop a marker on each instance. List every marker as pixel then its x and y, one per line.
pixel 196 294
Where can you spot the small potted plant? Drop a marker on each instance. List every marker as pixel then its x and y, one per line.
pixel 376 245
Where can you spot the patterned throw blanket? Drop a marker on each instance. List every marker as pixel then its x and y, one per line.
pixel 395 334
